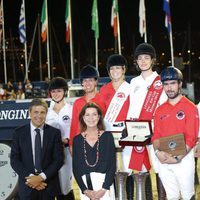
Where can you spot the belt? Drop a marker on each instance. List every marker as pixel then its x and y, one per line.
pixel 89 181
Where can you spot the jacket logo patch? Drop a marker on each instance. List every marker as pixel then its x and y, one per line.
pixel 180 115
pixel 65 118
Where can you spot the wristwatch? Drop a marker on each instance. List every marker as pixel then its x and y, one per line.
pixel 177 159
pixel 9 178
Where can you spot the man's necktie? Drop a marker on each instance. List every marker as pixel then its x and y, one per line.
pixel 38 149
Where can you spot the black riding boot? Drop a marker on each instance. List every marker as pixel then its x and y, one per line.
pixel 148 187
pixel 130 187
pixel 160 188
pixel 193 197
pixel 196 177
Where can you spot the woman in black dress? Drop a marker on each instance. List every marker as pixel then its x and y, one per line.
pixel 94 159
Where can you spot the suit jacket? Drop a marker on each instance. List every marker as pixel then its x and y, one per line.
pixel 52 158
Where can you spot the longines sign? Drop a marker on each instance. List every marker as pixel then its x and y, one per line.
pixel 13 114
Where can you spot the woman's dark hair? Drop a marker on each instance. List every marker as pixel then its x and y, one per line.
pixel 100 124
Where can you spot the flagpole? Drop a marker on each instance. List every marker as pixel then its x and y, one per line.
pixel 4 44
pixel 71 43
pixel 119 36
pixel 25 44
pixel 95 28
pixel 48 48
pixel 171 45
pixel 96 50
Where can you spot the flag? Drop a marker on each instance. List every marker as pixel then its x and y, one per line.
pixel 95 20
pixel 1 21
pixel 44 22
pixel 114 15
pixel 166 8
pixel 21 27
pixel 142 18
pixel 67 21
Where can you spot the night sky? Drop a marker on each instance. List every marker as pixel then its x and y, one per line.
pixel 183 12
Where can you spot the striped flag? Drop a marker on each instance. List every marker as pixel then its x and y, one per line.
pixel 44 22
pixel 142 16
pixel 1 21
pixel 67 21
pixel 114 15
pixel 166 8
pixel 21 27
pixel 95 20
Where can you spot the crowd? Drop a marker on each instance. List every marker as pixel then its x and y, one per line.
pixel 19 90
pixel 65 140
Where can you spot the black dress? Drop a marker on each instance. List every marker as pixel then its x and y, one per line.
pixel 106 163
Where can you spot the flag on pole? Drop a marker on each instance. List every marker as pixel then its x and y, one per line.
pixel 142 17
pixel 114 15
pixel 21 27
pixel 1 21
pixel 44 22
pixel 67 21
pixel 95 20
pixel 166 8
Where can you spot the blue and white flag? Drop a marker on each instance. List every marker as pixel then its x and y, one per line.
pixel 22 28
pixel 166 8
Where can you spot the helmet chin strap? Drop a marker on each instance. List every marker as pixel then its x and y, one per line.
pixel 60 100
pixel 145 69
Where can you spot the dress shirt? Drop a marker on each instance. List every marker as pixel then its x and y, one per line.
pixel 33 134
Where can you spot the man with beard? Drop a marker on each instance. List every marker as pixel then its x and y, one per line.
pixel 175 116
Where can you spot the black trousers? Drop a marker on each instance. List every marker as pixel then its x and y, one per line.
pixel 37 195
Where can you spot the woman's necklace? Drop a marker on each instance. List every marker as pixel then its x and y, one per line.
pixel 85 152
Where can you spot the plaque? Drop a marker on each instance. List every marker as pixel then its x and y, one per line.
pixel 138 133
pixel 174 144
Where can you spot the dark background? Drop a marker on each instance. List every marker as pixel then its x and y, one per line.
pixel 185 25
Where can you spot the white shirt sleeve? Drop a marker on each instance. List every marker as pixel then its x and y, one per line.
pixel 198 107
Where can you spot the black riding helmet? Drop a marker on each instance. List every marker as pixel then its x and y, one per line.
pixel 58 83
pixel 145 48
pixel 116 60
pixel 89 71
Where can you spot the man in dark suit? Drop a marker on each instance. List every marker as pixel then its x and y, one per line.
pixel 37 155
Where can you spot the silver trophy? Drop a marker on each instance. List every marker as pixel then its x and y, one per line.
pixel 140 179
pixel 120 183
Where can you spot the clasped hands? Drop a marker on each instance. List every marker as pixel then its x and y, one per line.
pixel 95 195
pixel 166 158
pixel 35 182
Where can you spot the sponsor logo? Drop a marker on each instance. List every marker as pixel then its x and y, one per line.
pixel 162 117
pixel 157 85
pixel 120 95
pixel 180 115
pixel 14 114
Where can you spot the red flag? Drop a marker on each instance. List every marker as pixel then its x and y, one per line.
pixel 67 21
pixel 114 15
